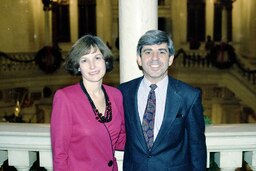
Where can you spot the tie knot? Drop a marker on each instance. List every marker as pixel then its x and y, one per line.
pixel 153 87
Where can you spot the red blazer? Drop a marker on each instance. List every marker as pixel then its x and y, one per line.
pixel 79 141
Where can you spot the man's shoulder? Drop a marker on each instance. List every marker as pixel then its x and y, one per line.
pixel 131 83
pixel 182 86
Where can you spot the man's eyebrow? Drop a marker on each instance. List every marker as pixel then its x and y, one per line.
pixel 147 49
pixel 163 49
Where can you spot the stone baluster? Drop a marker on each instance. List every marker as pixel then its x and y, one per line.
pixel 229 160
pixel 46 159
pixel 250 158
pixel 3 157
pixel 21 160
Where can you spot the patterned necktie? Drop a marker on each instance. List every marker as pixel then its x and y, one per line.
pixel 149 117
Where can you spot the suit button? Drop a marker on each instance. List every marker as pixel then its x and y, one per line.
pixel 149 156
pixel 110 163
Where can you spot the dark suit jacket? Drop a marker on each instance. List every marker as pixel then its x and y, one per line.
pixel 180 144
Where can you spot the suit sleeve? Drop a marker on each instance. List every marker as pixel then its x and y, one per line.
pixel 122 136
pixel 60 131
pixel 196 132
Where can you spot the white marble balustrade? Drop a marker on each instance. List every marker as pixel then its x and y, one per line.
pixel 229 144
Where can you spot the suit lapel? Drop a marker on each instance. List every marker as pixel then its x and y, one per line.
pixel 134 116
pixel 173 101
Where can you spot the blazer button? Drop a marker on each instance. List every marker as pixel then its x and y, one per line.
pixel 110 163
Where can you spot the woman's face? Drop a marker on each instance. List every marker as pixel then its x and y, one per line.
pixel 92 66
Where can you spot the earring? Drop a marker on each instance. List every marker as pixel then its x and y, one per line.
pixel 79 69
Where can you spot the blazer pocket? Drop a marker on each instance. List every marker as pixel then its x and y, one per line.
pixel 179 116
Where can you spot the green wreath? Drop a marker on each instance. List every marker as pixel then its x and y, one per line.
pixel 223 56
pixel 48 59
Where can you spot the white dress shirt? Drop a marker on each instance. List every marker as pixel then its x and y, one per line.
pixel 160 92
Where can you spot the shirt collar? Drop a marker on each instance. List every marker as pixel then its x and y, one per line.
pixel 160 85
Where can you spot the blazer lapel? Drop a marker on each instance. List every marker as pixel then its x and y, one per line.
pixel 134 115
pixel 173 101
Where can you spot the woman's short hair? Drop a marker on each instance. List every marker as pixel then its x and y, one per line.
pixel 83 47
pixel 153 37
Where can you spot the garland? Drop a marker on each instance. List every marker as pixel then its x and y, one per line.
pixel 48 59
pixel 14 59
pixel 229 61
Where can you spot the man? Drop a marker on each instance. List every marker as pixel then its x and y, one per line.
pixel 170 137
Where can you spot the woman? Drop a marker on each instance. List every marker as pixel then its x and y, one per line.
pixel 87 122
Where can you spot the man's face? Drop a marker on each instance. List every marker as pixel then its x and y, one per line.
pixel 155 61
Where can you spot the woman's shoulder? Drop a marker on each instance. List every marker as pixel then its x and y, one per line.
pixel 112 90
pixel 70 89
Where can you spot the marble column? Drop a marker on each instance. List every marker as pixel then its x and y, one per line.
pixel 209 17
pixel 47 23
pixel 73 7
pixel 104 20
pixel 251 43
pixel 135 18
pixel 216 112
pixel 224 27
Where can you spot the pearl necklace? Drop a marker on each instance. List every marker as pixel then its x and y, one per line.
pixel 99 116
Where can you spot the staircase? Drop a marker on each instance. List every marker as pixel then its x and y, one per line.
pixel 225 86
pixel 231 83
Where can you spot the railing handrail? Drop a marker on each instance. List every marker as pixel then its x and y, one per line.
pixel 226 140
pixel 43 130
pixel 33 137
